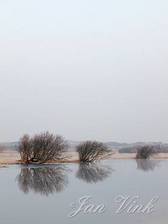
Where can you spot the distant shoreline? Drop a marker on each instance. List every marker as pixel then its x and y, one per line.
pixel 13 158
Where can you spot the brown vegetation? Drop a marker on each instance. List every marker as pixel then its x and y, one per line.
pixel 91 151
pixel 41 148
pixel 145 152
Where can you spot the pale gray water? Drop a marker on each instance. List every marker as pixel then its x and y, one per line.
pixel 44 194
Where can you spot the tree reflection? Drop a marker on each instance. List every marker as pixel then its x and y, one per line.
pixel 147 164
pixel 43 179
pixel 93 172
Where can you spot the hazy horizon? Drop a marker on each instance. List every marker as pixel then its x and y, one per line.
pixel 84 70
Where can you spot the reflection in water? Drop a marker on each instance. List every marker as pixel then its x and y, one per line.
pixel 146 164
pixel 43 179
pixel 92 173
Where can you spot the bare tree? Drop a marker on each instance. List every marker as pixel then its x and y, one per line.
pixel 25 149
pixel 41 148
pixel 145 152
pixel 91 151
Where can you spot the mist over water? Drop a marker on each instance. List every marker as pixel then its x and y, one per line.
pixel 85 70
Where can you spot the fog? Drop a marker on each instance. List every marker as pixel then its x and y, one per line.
pixel 84 69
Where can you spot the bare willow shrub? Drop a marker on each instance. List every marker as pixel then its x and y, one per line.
pixel 145 152
pixel 91 151
pixel 41 148
pixel 25 148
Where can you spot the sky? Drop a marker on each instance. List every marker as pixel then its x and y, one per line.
pixel 90 69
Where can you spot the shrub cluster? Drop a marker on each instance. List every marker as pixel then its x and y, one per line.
pixel 145 152
pixel 91 151
pixel 41 148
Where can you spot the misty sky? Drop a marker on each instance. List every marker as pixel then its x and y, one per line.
pixel 84 69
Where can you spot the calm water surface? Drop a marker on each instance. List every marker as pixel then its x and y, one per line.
pixel 45 194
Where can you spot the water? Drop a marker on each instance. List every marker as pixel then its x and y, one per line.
pixel 45 194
